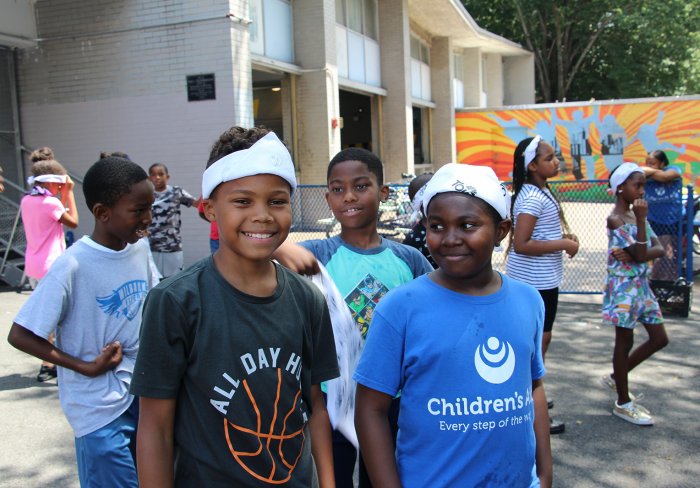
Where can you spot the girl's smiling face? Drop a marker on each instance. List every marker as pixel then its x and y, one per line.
pixel 461 233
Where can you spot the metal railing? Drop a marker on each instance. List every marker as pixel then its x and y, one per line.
pixel 586 205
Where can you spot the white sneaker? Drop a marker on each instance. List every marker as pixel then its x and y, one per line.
pixel 633 413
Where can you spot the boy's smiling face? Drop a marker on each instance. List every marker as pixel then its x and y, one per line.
pixel 461 234
pixel 128 220
pixel 253 214
pixel 354 195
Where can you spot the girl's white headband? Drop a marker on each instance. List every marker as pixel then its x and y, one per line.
pixel 621 174
pixel 267 156
pixel 47 179
pixel 477 181
pixel 531 151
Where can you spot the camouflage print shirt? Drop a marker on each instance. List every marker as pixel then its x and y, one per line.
pixel 164 231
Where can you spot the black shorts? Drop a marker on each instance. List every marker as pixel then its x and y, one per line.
pixel 551 301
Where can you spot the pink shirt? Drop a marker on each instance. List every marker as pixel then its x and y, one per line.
pixel 44 232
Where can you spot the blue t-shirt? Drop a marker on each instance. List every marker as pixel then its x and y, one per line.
pixel 465 366
pixel 364 276
pixel 664 200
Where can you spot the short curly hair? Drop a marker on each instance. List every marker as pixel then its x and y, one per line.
pixel 235 139
pixel 373 163
pixel 109 179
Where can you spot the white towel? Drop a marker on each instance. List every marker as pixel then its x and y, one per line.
pixel 348 347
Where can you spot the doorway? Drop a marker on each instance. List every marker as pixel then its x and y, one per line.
pixel 356 112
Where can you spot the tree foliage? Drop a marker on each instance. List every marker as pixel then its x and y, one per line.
pixel 602 49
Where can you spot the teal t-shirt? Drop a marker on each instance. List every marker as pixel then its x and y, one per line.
pixel 364 276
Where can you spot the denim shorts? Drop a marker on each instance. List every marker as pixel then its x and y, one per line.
pixel 107 457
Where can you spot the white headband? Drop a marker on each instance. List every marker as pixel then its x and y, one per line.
pixel 531 151
pixel 621 174
pixel 47 179
pixel 477 181
pixel 267 156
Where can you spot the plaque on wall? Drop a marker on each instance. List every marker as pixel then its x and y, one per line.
pixel 201 87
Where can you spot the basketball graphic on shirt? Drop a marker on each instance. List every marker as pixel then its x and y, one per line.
pixel 495 361
pixel 265 440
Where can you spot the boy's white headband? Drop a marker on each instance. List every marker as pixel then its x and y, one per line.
pixel 47 179
pixel 621 174
pixel 477 181
pixel 267 156
pixel 531 151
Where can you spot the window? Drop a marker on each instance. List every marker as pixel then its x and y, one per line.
pixel 420 50
pixel 420 69
pixel 358 15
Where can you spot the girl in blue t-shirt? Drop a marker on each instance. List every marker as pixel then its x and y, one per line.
pixel 540 232
pixel 663 193
pixel 628 298
pixel 463 345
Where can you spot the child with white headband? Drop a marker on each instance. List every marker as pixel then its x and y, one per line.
pixel 463 344
pixel 49 205
pixel 540 232
pixel 628 298
pixel 234 348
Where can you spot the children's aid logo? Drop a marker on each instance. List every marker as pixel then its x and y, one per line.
pixel 363 299
pixel 126 300
pixel 495 361
pixel 264 414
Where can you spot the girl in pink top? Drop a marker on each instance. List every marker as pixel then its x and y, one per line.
pixel 48 206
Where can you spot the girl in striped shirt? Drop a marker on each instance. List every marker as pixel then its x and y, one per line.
pixel 540 232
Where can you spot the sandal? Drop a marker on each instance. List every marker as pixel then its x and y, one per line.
pixel 46 373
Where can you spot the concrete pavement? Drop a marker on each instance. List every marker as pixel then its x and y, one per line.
pixel 597 449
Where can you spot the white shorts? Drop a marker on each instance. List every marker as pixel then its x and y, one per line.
pixel 168 263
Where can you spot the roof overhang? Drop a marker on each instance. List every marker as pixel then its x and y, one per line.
pixel 17 23
pixel 449 18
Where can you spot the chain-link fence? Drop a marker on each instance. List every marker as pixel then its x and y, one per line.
pixel 586 205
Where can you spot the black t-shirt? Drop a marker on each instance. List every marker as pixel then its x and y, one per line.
pixel 241 369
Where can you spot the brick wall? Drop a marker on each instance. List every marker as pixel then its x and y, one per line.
pixel 112 76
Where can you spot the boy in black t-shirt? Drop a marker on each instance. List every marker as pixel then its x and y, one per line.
pixel 229 377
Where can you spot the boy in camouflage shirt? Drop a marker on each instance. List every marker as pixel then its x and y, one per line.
pixel 164 231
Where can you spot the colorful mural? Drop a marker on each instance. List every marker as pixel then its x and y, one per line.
pixel 590 138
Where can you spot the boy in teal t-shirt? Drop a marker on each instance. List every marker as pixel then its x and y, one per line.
pixel 363 265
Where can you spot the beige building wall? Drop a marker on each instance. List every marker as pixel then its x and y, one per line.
pixel 317 88
pixel 111 76
pixel 519 80
pixel 494 80
pixel 397 150
pixel 444 138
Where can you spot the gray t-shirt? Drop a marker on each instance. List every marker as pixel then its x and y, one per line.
pixel 241 369
pixel 92 296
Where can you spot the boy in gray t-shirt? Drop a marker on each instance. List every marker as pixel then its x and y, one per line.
pixel 92 297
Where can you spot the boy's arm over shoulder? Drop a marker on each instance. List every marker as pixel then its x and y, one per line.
pixel 299 258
